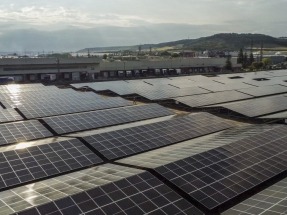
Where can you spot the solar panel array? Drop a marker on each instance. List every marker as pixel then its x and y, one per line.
pixel 120 143
pixel 40 97
pixel 217 176
pixel 101 86
pixel 22 131
pixel 201 157
pixel 53 109
pixel 263 91
pixel 9 115
pixel 281 115
pixel 258 107
pixel 212 98
pixel 168 93
pixel 169 154
pixel 140 194
pixel 42 192
pixel 96 119
pixel 24 165
pixel 272 200
pixel 216 87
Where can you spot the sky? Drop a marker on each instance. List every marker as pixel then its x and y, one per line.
pixel 66 25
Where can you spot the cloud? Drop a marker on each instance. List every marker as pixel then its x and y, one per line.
pixel 49 16
pixel 67 25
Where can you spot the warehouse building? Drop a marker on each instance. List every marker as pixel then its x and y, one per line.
pixel 83 69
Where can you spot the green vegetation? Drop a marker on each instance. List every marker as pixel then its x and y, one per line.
pixel 60 55
pixel 219 42
pixel 249 63
pixel 240 57
pixel 228 64
pixel 105 56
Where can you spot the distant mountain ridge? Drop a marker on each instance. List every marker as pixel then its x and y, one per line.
pixel 220 42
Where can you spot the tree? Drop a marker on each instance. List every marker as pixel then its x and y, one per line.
pixel 228 64
pixel 165 53
pixel 105 56
pixel 175 55
pixel 251 58
pixel 256 65
pixel 266 62
pixel 245 60
pixel 240 57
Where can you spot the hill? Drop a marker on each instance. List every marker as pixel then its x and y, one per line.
pixel 220 42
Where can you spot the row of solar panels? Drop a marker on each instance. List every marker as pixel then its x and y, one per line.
pixel 259 106
pixel 19 166
pixel 212 171
pixel 33 129
pixel 157 89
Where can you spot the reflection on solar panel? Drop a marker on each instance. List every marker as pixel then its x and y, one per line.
pixel 212 98
pixel 217 176
pixel 266 90
pixel 39 97
pixel 272 200
pixel 277 73
pixel 24 165
pixel 22 131
pixel 140 194
pixel 169 154
pixel 97 119
pixel 216 87
pixel 281 115
pixel 269 81
pixel 101 86
pixel 258 107
pixel 21 198
pixel 120 143
pixel 9 115
pixel 52 109
pixel 167 93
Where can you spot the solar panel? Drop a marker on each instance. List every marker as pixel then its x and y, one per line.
pixel 97 119
pixel 36 162
pixel 212 98
pixel 101 86
pixel 258 107
pixel 216 87
pixel 53 109
pixel 281 115
pixel 120 143
pixel 277 73
pixel 57 97
pixel 169 154
pixel 217 176
pixel 22 131
pixel 272 200
pixel 45 191
pixel 262 91
pixel 167 93
pixel 269 81
pixel 9 115
pixel 140 194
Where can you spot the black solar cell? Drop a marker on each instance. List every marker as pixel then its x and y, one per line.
pixel 97 119
pixel 60 107
pixel 120 143
pixel 217 176
pixel 140 194
pixel 22 131
pixel 24 165
pixel 9 115
pixel 212 98
pixel 258 107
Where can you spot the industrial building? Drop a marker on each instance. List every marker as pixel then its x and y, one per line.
pixel 84 69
